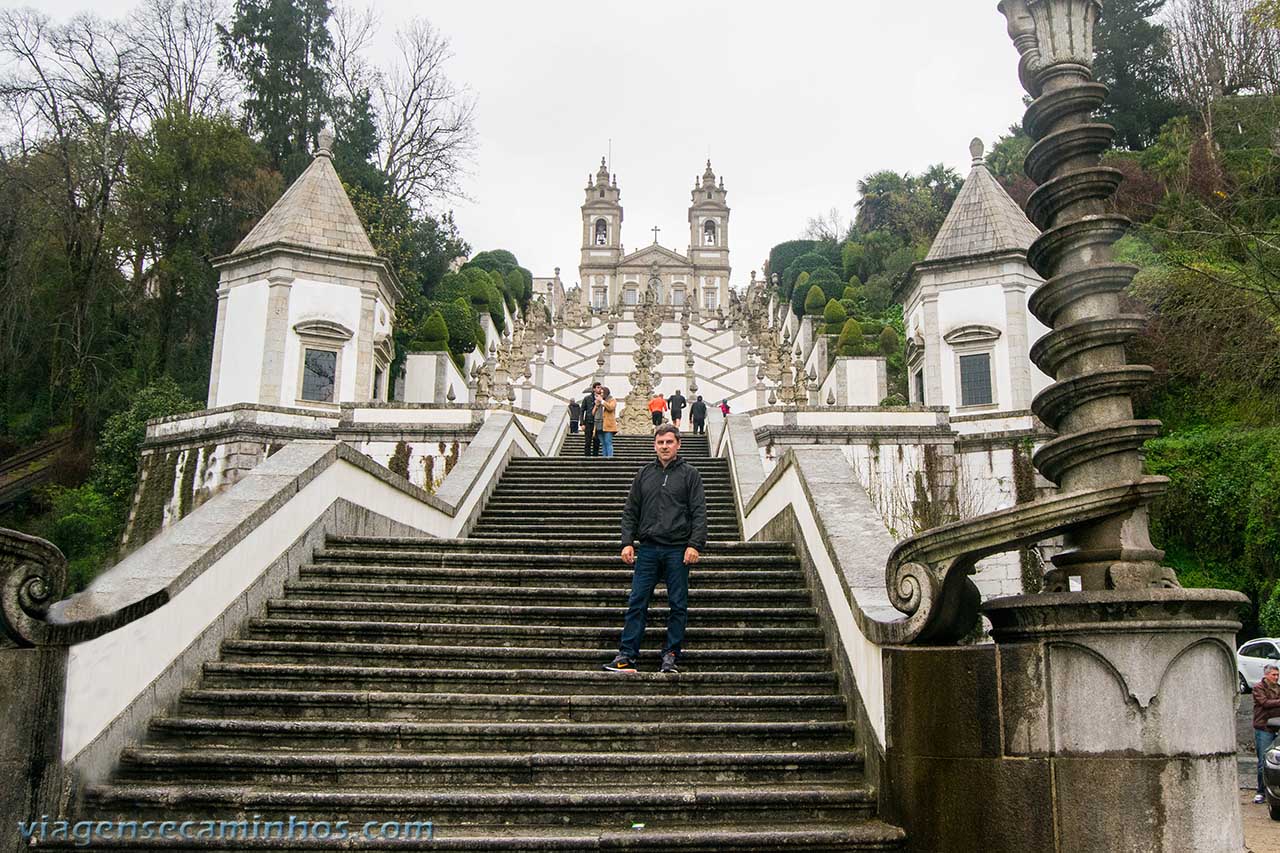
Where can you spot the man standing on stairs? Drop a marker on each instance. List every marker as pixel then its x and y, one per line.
pixel 677 402
pixel 666 513
pixel 591 438
pixel 698 414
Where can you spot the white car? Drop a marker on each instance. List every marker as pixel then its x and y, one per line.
pixel 1252 657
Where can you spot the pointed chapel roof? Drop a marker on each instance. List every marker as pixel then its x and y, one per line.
pixel 983 220
pixel 314 213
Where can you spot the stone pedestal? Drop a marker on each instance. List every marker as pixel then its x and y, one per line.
pixel 31 748
pixel 1130 697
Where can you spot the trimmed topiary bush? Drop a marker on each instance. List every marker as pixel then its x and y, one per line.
pixel 851 341
pixel 834 314
pixel 815 301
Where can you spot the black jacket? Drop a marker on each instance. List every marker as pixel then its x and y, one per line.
pixel 666 506
pixel 588 403
pixel 575 411
pixel 676 402
pixel 698 411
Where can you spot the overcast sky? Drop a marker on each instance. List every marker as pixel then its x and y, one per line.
pixel 794 102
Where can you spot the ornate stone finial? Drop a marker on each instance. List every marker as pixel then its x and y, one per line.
pixel 976 150
pixel 773 397
pixel 600 360
pixel 324 142
pixel 511 394
pixel 450 396
pixel 831 397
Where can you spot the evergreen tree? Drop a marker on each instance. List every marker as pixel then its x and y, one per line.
pixel 280 50
pixel 1133 61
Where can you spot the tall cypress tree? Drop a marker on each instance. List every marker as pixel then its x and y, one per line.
pixel 1133 61
pixel 280 50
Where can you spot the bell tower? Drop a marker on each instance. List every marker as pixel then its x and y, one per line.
pixel 709 240
pixel 601 238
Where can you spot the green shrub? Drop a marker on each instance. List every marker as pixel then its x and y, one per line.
pixel 893 400
pixel 815 301
pixel 834 314
pixel 1219 521
pixel 889 343
pixel 115 465
pixel 435 334
pixel 808 262
pixel 851 341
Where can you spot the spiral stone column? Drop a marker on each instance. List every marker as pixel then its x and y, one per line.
pixel 1116 686
pixel 1090 404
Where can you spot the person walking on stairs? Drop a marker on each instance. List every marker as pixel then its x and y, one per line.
pixel 676 402
pixel 591 438
pixel 698 414
pixel 657 408
pixel 608 423
pixel 575 415
pixel 664 532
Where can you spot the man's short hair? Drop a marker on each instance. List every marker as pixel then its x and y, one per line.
pixel 667 428
pixel 1270 666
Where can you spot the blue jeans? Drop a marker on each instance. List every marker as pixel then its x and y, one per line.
pixel 606 442
pixel 1263 741
pixel 652 563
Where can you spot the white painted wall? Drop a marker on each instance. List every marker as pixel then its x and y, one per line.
pixel 240 375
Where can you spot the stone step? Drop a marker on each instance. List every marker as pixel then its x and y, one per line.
pixel 428 556
pixel 520 657
pixel 535 614
pixel 721 548
pixel 607 529
pixel 863 835
pixel 553 506
pixel 583 679
pixel 544 595
pixel 326 770
pixel 239 732
pixel 518 634
pixel 673 805
pixel 551 512
pixel 587 489
pixel 585 707
pixel 510 575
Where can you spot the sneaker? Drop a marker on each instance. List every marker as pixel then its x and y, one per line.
pixel 1259 800
pixel 621 663
pixel 669 662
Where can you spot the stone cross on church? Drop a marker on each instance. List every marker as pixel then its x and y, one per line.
pixel 656 229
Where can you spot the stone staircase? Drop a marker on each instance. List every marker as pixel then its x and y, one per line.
pixel 459 682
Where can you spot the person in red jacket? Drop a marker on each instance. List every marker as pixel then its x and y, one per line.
pixel 1266 705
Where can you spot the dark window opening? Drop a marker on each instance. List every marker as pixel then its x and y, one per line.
pixel 975 380
pixel 319 374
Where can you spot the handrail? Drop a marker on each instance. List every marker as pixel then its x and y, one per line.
pixel 33 571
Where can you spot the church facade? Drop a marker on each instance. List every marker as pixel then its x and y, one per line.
pixel 610 276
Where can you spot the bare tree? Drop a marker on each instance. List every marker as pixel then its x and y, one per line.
pixel 177 56
pixel 353 32
pixel 69 110
pixel 829 227
pixel 426 122
pixel 1219 48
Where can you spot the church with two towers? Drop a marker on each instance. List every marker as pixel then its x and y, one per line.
pixel 610 276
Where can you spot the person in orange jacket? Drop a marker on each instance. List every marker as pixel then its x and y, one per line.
pixel 657 407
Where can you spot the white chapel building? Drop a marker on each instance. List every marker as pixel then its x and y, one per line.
pixel 305 305
pixel 969 330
